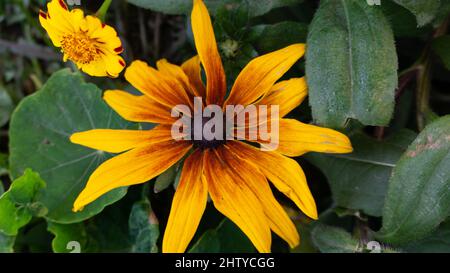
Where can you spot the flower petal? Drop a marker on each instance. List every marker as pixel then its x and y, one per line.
pixel 283 172
pixel 114 64
pixel 137 108
pixel 286 94
pixel 193 71
pixel 206 45
pixel 297 138
pixel 55 33
pixel 260 74
pixel 277 217
pixel 133 167
pixel 176 72
pixel 116 141
pixel 58 20
pixel 233 198
pixel 95 68
pixel 159 87
pixel 60 15
pixel 188 206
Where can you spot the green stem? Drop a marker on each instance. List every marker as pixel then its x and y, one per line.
pixel 423 92
pixel 424 79
pixel 101 13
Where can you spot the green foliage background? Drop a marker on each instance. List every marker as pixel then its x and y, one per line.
pixel 379 73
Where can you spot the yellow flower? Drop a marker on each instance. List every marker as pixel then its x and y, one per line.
pixel 233 173
pixel 90 44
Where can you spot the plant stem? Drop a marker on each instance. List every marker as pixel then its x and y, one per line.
pixel 423 92
pixel 424 78
pixel 101 13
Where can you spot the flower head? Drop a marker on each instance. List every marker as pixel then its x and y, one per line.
pixel 235 174
pixel 93 46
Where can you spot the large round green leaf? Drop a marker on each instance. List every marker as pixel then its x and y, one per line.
pixel 351 64
pixel 418 196
pixel 39 139
pixel 256 7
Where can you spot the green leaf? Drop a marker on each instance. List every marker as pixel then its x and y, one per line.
pixel 34 238
pixel 144 228
pixel 208 243
pixel 418 199
pixel 359 180
pixel 106 232
pixel 3 165
pixel 333 240
pixel 166 179
pixel 6 243
pixel 231 22
pixel 109 231
pixel 68 237
pixel 226 238
pixel 39 138
pixel 6 106
pixel 424 10
pixel 256 7
pixel 274 37
pixel 442 13
pixel 436 242
pixel 18 204
pixel 304 228
pixel 351 64
pixel 402 21
pixel 165 6
pixel 441 46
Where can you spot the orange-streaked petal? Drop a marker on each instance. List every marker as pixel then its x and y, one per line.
pixel 117 141
pixel 277 217
pixel 206 45
pixel 233 198
pixel 176 72
pixel 193 71
pixel 159 87
pixel 286 94
pixel 133 167
pixel 297 138
pixel 260 74
pixel 188 206
pixel 284 173
pixel 137 108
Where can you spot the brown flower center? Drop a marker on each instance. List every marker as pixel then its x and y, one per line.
pixel 204 143
pixel 80 48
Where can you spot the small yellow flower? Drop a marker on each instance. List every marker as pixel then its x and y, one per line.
pixel 233 173
pixel 93 46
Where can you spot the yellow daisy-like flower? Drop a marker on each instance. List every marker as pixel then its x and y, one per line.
pixel 234 174
pixel 93 46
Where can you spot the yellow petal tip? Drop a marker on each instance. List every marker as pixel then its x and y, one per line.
pixel 73 138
